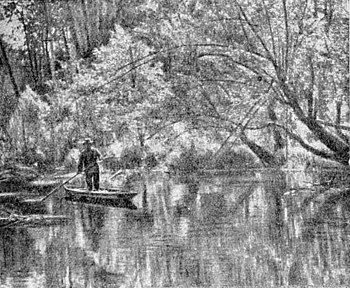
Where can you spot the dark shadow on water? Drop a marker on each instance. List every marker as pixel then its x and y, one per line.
pixel 15 251
pixel 333 212
pixel 186 206
pixel 32 208
pixel 274 185
pixel 119 203
pixel 140 217
pixel 93 219
pixel 193 186
pixel 213 208
pixel 222 235
pixel 108 279
pixel 143 216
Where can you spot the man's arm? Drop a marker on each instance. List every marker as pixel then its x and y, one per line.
pixel 99 155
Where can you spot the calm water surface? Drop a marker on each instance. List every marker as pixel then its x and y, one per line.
pixel 235 231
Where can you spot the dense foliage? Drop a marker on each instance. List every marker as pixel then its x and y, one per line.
pixel 193 160
pixel 266 74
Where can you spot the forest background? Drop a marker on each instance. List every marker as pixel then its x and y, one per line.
pixel 215 81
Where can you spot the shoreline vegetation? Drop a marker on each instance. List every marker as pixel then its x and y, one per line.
pixel 137 78
pixel 189 160
pixel 253 93
pixel 326 184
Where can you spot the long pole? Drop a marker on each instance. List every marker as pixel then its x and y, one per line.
pixel 59 186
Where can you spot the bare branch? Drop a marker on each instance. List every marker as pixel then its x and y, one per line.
pixel 244 65
pixel 160 128
pixel 285 13
pixel 270 29
pixel 310 97
pixel 298 37
pixel 251 26
pixel 342 127
pixel 249 116
pixel 148 59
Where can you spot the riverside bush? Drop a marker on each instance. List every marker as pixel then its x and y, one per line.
pixel 191 160
pixel 131 158
pixel 231 159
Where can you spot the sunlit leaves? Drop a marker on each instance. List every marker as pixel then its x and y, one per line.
pixel 286 52
pixel 206 63
pixel 11 31
pixel 123 84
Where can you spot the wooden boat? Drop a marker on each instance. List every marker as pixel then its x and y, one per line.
pixel 103 194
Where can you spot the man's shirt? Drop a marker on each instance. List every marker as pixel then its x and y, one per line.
pixel 88 159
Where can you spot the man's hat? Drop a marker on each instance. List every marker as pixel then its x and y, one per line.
pixel 87 141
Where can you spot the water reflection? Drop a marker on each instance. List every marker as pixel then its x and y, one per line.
pixel 92 224
pixel 14 250
pixel 219 232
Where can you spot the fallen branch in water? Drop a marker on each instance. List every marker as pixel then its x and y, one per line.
pixel 31 220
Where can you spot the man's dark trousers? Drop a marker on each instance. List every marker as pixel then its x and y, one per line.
pixel 92 178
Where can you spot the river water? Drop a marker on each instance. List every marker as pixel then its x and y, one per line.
pixel 228 231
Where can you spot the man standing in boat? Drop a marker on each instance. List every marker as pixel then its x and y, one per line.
pixel 88 160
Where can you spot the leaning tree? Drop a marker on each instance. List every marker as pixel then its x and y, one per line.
pixel 251 67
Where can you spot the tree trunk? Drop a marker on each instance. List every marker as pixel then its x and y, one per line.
pixel 338 147
pixel 74 32
pixel 265 156
pixel 30 56
pixel 25 143
pixel 332 142
pixel 279 141
pixel 50 38
pixel 10 106
pixel 86 28
pixel 65 41
pixel 133 73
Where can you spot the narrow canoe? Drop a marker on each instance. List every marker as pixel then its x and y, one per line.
pixel 105 194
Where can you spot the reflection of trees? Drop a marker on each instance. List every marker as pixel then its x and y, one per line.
pixel 182 249
pixel 56 261
pixel 317 232
pixel 96 250
pixel 93 222
pixel 240 237
pixel 274 187
pixel 290 268
pixel 212 207
pixel 16 253
pixel 212 252
pixel 193 186
pixel 326 231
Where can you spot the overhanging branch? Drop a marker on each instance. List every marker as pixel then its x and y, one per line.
pixel 329 124
pixel 306 146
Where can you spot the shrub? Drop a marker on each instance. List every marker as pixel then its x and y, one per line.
pixel 150 160
pixel 112 163
pixel 190 160
pixel 131 157
pixel 231 159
